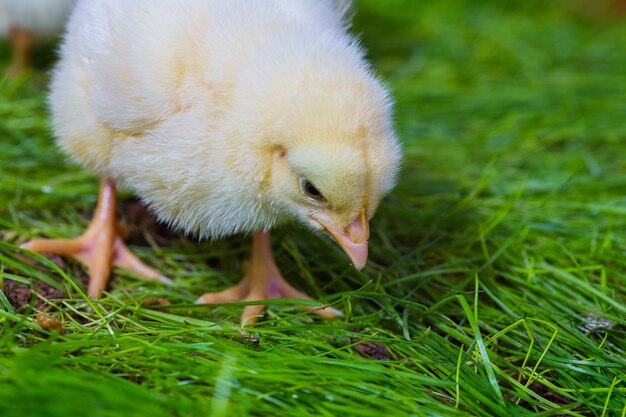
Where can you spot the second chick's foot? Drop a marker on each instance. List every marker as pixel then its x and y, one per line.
pixel 263 281
pixel 100 247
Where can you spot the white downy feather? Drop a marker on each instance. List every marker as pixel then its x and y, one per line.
pixel 186 102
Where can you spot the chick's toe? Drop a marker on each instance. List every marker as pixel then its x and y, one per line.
pixel 263 281
pixel 100 247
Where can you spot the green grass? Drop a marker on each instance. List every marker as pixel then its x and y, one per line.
pixel 491 263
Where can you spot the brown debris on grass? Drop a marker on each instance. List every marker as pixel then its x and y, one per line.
pixel 373 350
pixel 542 391
pixel 48 323
pixel 20 295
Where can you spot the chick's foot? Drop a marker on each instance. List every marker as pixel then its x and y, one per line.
pixel 100 247
pixel 263 281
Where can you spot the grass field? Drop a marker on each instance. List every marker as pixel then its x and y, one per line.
pixel 497 279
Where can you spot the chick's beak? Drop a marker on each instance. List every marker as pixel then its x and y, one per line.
pixel 353 239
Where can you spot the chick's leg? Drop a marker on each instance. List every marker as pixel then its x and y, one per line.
pixel 22 43
pixel 100 246
pixel 262 281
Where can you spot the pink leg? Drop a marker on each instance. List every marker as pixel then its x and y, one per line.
pixel 22 43
pixel 262 281
pixel 99 247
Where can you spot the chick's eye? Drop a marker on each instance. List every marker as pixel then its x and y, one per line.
pixel 310 190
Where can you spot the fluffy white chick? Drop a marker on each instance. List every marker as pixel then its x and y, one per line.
pixel 224 117
pixel 25 22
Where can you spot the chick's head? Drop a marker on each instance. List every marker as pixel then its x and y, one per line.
pixel 334 156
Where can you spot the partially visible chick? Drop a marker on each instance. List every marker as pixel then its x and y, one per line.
pixel 225 117
pixel 25 22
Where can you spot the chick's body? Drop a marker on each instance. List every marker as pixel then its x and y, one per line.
pixel 229 116
pixel 180 100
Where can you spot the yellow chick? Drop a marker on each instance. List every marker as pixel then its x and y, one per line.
pixel 25 22
pixel 225 117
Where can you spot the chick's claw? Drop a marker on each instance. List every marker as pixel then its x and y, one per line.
pixel 230 295
pixel 124 258
pixel 263 281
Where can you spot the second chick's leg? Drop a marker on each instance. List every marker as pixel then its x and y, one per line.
pixel 262 281
pixel 100 247
pixel 22 43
